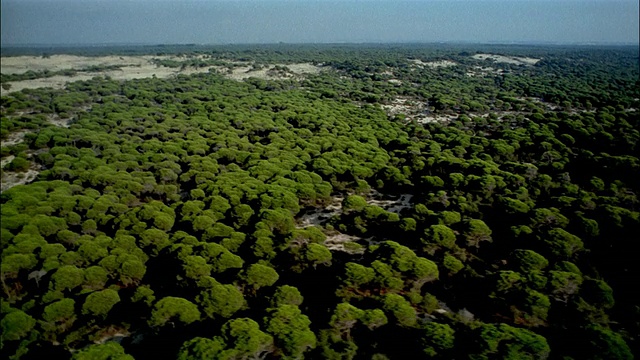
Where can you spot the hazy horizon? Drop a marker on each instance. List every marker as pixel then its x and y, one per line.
pixel 95 22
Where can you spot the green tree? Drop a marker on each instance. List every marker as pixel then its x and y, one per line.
pixel 220 300
pixel 170 309
pixel 58 316
pixel 247 339
pixel 401 310
pixel 67 277
pixel 440 235
pixel 286 295
pixel 476 232
pixel 107 351
pixel 258 276
pixel 16 325
pixel 290 330
pixel 452 264
pixel 604 344
pixel 99 303
pixel 437 338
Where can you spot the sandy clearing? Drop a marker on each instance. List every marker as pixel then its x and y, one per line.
pixel 507 59
pixel 435 118
pixel 6 161
pixel 319 216
pixel 270 73
pixel 126 73
pixel 339 241
pixel 132 67
pixel 11 179
pixel 57 121
pixel 393 205
pixel 304 68
pixel 22 64
pixel 483 71
pixel 14 138
pixel 433 64
pixel 400 106
pixel 414 110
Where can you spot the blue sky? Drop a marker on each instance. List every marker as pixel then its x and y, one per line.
pixel 317 21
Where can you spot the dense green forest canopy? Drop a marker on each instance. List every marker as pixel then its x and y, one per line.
pixel 403 202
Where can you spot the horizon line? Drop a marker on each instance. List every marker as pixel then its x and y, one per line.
pixel 435 42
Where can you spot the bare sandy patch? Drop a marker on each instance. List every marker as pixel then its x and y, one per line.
pixel 345 243
pixel 11 179
pixel 320 216
pixel 58 121
pixel 415 110
pixel 400 105
pixel 125 73
pixel 484 71
pixel 304 68
pixel 435 119
pixel 272 72
pixel 14 138
pixel 134 67
pixel 393 204
pixel 22 64
pixel 433 64
pixel 4 162
pixel 517 60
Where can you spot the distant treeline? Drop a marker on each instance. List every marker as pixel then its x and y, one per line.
pixel 160 49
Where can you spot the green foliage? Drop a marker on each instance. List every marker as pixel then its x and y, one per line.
pixel 202 188
pixel 220 300
pixel 258 276
pixel 441 236
pixel 290 330
pixel 100 303
pixel 528 260
pixel 170 309
pixel 58 311
pixel 598 293
pixel 16 325
pixel 437 338
pixel 452 264
pixel 286 295
pixel 354 202
pixel 508 342
pixel 107 351
pixel 67 277
pixel 401 310
pixel 606 344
